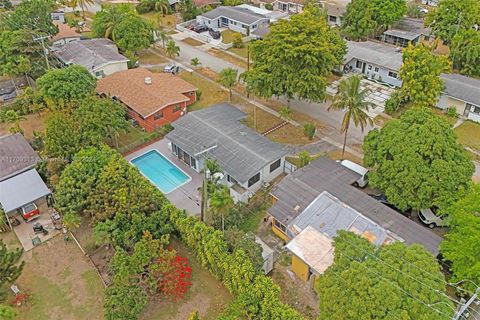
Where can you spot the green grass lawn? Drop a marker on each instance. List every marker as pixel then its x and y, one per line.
pixel 227 36
pixel 211 92
pixel 134 138
pixel 159 20
pixel 469 134
pixel 242 52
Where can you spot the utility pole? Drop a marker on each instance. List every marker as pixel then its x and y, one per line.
pixel 41 39
pixel 466 305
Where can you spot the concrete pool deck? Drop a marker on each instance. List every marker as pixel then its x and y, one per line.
pixel 187 196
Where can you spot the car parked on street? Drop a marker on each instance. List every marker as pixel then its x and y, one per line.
pixel 214 33
pixel 429 217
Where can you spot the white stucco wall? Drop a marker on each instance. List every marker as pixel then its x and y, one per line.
pixel 445 102
pixel 381 74
pixel 111 68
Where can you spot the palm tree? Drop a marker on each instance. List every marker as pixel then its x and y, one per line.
pixel 352 99
pixel 221 202
pixel 80 3
pixel 228 78
pixel 162 35
pixel 172 49
pixel 161 6
pixel 195 62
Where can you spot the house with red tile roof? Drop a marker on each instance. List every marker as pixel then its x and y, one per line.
pixel 65 34
pixel 151 99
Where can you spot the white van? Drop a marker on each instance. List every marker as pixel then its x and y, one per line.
pixel 363 181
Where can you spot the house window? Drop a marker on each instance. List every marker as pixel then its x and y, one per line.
pixel 158 115
pixel 100 74
pixel 244 26
pixel 392 74
pixel 230 179
pixel 369 67
pixel 280 226
pixel 176 108
pixel 473 109
pixel 358 65
pixel 274 166
pixel 193 163
pixel 253 180
pixel 376 69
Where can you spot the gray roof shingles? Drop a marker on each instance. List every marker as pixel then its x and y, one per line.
pixel 242 15
pixel 299 189
pixel 240 151
pixel 462 87
pixel 16 155
pixel 92 53
pixel 375 53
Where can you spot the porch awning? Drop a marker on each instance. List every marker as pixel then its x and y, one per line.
pixel 21 190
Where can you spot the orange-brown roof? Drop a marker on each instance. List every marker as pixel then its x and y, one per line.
pixel 64 31
pixel 130 88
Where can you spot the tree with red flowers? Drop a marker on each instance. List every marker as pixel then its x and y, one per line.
pixel 175 281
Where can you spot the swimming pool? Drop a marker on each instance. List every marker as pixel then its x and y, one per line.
pixel 160 171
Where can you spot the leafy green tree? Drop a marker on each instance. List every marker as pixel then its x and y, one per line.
pixel 71 221
pixel 61 87
pixel 304 158
pixel 80 3
pixel 123 302
pixel 352 99
pixel 62 139
pixel 465 52
pixel 163 35
pixel 188 10
pixel 418 161
pixel 309 130
pixel 286 114
pixel 7 312
pixel 10 265
pixel 12 117
pixel 386 12
pixel 239 240
pixel 172 49
pixel 133 34
pixel 105 21
pixel 228 79
pixel 161 6
pixel 413 10
pixel 420 74
pixel 295 57
pixel 32 15
pixel 389 282
pixel 460 246
pixel 14 60
pixel 451 16
pixel 221 202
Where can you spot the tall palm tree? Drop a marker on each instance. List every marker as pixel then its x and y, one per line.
pixel 351 99
pixel 228 78
pixel 161 6
pixel 221 202
pixel 162 35
pixel 80 3
pixel 172 49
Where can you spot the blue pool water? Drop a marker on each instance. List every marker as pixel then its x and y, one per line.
pixel 160 171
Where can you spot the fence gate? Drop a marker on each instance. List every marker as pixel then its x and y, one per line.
pixel 288 167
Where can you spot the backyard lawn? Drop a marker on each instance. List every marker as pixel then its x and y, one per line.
pixel 207 295
pixel 160 20
pixel 61 282
pixel 469 134
pixel 32 122
pixel 133 138
pixel 227 36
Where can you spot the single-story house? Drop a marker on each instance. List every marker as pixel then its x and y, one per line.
pixel 321 195
pixel 99 56
pixel 289 6
pixel 20 183
pixel 235 18
pixel 335 11
pixel 407 30
pixel 65 34
pixel 151 99
pixel 12 87
pixel 462 93
pixel 248 160
pixel 375 60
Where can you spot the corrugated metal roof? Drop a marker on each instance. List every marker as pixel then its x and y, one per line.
pixel 21 190
pixel 296 191
pixel 16 155
pixel 240 151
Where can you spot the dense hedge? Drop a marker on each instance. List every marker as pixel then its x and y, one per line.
pixel 256 296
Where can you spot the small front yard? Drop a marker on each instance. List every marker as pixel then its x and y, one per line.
pixel 160 20
pixel 150 58
pixel 469 134
pixel 207 295
pixel 211 93
pixel 61 282
pixel 227 36
pixel 242 52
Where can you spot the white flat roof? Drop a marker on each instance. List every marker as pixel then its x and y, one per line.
pixel 21 190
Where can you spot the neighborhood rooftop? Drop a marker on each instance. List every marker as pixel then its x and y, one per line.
pixel 408 28
pixel 239 14
pixel 299 189
pixel 336 8
pixel 462 87
pixel 64 32
pixel 144 91
pixel 239 151
pixel 91 54
pixel 16 155
pixel 375 53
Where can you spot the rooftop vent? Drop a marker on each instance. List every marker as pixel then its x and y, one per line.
pixel 148 80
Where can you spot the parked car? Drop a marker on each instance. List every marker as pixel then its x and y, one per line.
pixel 383 199
pixel 171 68
pixel 214 33
pixel 29 211
pixel 363 181
pixel 200 28
pixel 431 219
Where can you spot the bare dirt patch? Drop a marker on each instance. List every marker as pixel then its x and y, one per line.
pixel 33 122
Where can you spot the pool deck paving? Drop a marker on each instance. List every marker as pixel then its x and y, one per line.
pixel 186 196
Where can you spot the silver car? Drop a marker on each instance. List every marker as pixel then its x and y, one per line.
pixel 428 216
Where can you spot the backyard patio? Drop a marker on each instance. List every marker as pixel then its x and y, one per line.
pixel 185 196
